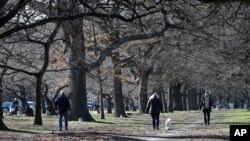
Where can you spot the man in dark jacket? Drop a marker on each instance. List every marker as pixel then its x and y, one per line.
pixel 206 107
pixel 62 105
pixel 154 107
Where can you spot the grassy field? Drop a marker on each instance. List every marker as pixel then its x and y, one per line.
pixel 187 125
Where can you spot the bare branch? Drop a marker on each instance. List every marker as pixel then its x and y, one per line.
pixel 12 13
pixel 70 17
pixel 18 70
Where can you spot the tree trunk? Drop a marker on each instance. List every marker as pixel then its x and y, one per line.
pixel 78 97
pixel 39 77
pixel 77 73
pixel 109 106
pixel 50 110
pixel 192 99
pixel 1 109
pixel 1 93
pixel 248 99
pixel 2 125
pixel 24 104
pixel 132 104
pixel 199 96
pixel 38 114
pixel 177 97
pixel 184 98
pixel 118 95
pixel 143 89
pixel 101 92
pixel 228 98
pixel 109 103
pixel 162 96
pixel 170 98
pixel 73 32
pixel 236 102
pixel 126 102
pixel 220 97
pixel 242 102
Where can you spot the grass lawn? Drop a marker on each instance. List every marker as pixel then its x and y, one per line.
pixel 187 125
pixel 225 118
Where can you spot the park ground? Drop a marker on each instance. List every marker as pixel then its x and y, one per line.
pixel 187 126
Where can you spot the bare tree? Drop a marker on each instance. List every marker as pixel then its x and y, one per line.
pixel 38 75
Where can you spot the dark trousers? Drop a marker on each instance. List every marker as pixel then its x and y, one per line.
pixel 155 120
pixel 15 111
pixel 65 115
pixel 206 113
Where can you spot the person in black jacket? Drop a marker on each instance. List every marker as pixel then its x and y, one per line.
pixel 15 105
pixel 154 107
pixel 62 104
pixel 206 107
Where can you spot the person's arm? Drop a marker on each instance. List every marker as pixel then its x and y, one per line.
pixel 56 103
pixel 201 104
pixel 210 102
pixel 69 105
pixel 148 106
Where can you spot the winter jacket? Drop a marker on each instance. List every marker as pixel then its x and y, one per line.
pixel 154 105
pixel 202 104
pixel 62 104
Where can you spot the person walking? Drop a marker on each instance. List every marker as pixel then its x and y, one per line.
pixel 206 107
pixel 154 107
pixel 62 104
pixel 15 105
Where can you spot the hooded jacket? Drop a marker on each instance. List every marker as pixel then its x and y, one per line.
pixel 154 105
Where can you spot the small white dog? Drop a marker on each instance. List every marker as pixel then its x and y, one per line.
pixel 168 124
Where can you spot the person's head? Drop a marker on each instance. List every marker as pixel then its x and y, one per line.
pixel 154 96
pixel 206 93
pixel 15 99
pixel 62 93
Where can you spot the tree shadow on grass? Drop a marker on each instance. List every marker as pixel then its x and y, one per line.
pixel 104 122
pixel 21 131
pixel 117 136
pixel 14 136
pixel 142 138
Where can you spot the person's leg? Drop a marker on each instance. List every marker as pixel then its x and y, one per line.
pixel 66 120
pixel 208 117
pixel 157 120
pixel 153 120
pixel 16 111
pixel 60 121
pixel 205 118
